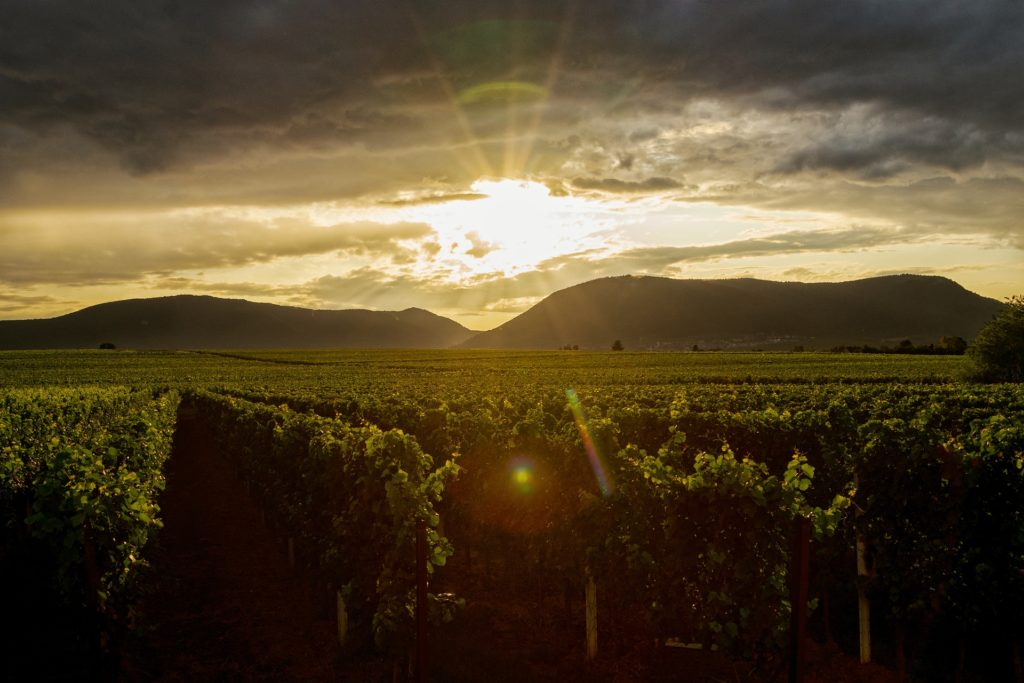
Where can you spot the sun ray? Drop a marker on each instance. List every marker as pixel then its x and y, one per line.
pixel 554 69
pixel 483 166
pixel 526 102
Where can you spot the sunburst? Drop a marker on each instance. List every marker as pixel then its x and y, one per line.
pixel 514 226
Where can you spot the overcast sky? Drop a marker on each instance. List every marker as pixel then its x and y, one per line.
pixel 471 157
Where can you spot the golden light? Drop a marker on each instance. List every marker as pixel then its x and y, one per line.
pixel 515 225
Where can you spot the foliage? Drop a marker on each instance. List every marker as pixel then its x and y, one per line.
pixel 987 584
pixel 80 472
pixel 350 494
pixel 909 494
pixel 720 548
pixel 998 350
pixel 671 478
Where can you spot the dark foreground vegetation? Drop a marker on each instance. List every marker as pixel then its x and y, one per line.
pixel 81 471
pixel 675 498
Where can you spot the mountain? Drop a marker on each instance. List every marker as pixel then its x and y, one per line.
pixel 191 322
pixel 662 313
pixel 642 312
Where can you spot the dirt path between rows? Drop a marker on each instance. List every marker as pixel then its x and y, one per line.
pixel 221 603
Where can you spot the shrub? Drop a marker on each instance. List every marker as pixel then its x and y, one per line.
pixel 998 350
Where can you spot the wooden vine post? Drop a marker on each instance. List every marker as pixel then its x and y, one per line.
pixel 342 612
pixel 591 595
pixel 422 606
pixel 799 576
pixel 863 604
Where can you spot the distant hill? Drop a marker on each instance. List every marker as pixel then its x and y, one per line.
pixel 662 313
pixel 642 312
pixel 192 322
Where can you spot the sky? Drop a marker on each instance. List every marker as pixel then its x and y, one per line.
pixel 472 157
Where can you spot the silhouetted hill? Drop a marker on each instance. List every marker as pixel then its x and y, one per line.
pixel 194 322
pixel 653 312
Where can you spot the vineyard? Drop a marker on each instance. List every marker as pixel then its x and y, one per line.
pixel 80 476
pixel 631 505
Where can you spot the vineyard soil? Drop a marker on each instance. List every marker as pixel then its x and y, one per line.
pixel 222 603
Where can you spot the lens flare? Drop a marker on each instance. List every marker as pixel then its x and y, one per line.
pixel 502 91
pixel 523 473
pixel 596 461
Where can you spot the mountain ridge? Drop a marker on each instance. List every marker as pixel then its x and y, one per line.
pixel 643 312
pixel 191 321
pixel 647 312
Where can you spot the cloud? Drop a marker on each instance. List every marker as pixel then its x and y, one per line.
pixel 129 130
pixel 12 302
pixel 479 247
pixel 494 296
pixel 879 144
pixel 793 242
pixel 381 289
pixel 227 289
pixel 948 59
pixel 624 161
pixel 514 305
pixel 120 248
pixel 616 186
pixel 433 199
pixel 220 103
pixel 985 208
pixel 164 85
pixel 376 288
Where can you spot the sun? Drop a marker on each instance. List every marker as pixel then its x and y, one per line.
pixel 514 213
pixel 513 225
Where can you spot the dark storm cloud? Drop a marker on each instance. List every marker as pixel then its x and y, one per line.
pixel 880 145
pixel 162 85
pixel 948 58
pixel 148 80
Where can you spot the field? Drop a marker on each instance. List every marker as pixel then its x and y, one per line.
pixel 670 482
pixel 345 370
